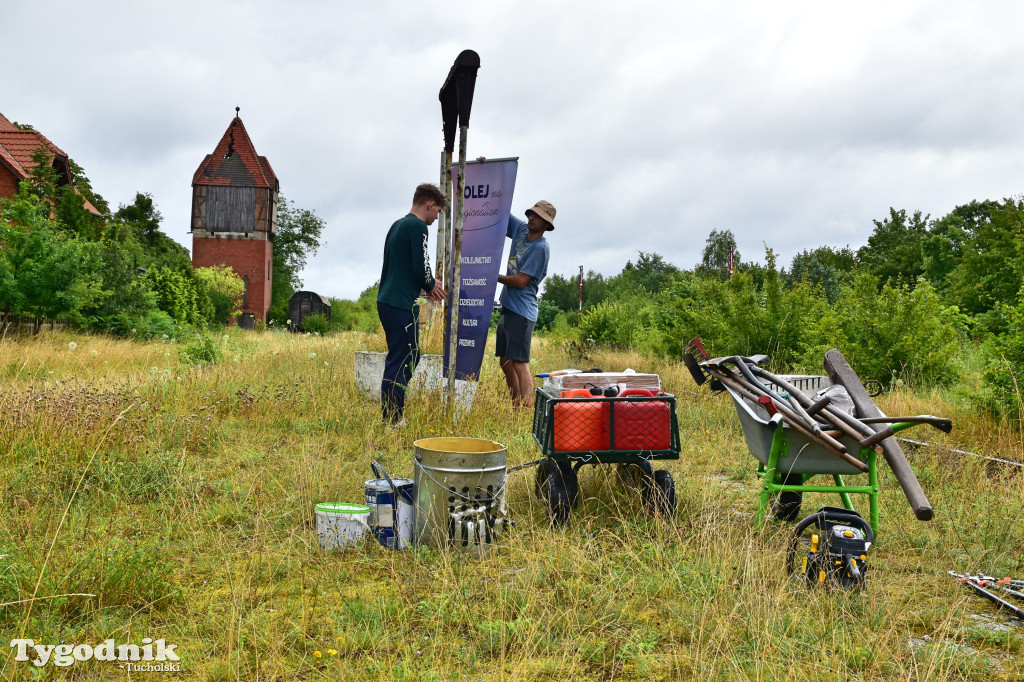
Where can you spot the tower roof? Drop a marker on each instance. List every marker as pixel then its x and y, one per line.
pixel 235 162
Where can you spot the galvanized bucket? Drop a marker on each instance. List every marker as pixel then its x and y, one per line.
pixel 460 494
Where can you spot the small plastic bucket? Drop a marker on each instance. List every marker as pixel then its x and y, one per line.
pixel 341 524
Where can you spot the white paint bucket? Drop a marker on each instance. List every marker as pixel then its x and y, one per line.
pixel 340 524
pixel 392 530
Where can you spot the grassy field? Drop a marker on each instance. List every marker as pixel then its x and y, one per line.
pixel 145 497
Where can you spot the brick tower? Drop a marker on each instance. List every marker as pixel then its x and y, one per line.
pixel 234 217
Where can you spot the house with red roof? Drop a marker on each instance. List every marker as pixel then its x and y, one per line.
pixel 16 149
pixel 234 217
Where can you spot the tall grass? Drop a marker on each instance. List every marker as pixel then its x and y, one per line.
pixel 190 491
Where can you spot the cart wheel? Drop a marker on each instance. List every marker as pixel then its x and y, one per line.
pixel 634 474
pixel 557 486
pixel 786 507
pixel 662 495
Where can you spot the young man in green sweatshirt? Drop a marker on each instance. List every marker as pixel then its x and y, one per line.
pixel 405 272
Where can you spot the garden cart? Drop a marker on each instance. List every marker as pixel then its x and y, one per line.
pixel 631 429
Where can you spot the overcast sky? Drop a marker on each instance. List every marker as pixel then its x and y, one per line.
pixel 647 125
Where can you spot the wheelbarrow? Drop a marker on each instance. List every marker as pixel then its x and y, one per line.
pixel 632 430
pixel 788 459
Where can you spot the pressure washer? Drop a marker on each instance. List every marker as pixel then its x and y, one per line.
pixel 838 553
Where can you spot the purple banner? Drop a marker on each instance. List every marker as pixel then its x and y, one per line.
pixel 487 201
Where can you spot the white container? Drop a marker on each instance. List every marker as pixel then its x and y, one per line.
pixel 340 524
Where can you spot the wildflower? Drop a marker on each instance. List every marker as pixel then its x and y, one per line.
pixel 340 639
pixel 317 654
pixel 93 352
pixel 312 354
pixel 72 345
pixel 332 652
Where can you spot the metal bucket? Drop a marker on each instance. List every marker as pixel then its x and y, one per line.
pixel 391 508
pixel 460 494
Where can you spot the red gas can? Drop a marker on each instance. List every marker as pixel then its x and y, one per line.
pixel 642 425
pixel 582 425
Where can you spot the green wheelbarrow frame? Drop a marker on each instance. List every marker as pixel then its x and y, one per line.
pixel 771 476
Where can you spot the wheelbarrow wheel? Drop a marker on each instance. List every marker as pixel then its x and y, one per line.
pixel 557 487
pixel 786 505
pixel 661 496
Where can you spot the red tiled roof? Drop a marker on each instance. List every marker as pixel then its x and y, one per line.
pixel 16 147
pixel 19 144
pixel 234 162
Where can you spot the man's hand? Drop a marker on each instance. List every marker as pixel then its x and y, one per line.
pixel 437 293
pixel 515 281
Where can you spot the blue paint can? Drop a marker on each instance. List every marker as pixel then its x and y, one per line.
pixel 391 523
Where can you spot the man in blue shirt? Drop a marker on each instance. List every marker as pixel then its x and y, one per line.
pixel 527 267
pixel 405 272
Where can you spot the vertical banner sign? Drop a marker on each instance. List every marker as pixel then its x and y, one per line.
pixel 487 203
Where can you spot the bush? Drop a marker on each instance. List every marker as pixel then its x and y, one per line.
pixel 1004 364
pixel 895 333
pixel 225 290
pixel 150 325
pixel 316 324
pixel 202 351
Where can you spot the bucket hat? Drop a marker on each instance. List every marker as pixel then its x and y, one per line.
pixel 544 211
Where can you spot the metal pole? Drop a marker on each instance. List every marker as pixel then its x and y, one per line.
pixel 453 314
pixel 443 236
pixel 579 313
pixel 439 258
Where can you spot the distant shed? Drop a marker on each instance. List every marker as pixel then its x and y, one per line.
pixel 302 304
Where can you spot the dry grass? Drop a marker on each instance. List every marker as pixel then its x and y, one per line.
pixel 187 500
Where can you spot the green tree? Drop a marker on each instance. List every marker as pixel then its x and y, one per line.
pixel 895 332
pixel 825 267
pixel 989 270
pixel 297 238
pixel 951 237
pixel 142 215
pixel 563 291
pixel 66 205
pixel 893 253
pixel 43 270
pixel 180 295
pixel 84 187
pixel 714 259
pixel 224 289
pixel 651 274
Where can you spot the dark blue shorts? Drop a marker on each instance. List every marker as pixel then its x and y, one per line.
pixel 512 339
